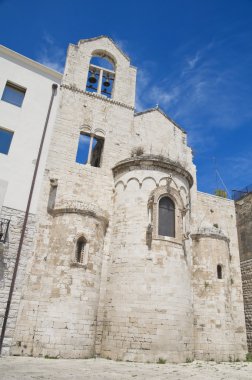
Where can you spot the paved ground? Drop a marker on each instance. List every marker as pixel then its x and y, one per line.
pixel 17 368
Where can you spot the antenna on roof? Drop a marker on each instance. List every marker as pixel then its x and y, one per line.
pixel 218 191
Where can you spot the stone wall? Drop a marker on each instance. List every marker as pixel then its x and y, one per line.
pixel 218 303
pixel 7 262
pixel 244 226
pixel 246 269
pixel 148 313
pixel 132 299
pixel 59 311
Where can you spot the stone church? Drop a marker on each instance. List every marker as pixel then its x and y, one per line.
pixel 125 259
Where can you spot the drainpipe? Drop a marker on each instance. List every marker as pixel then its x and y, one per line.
pixel 13 280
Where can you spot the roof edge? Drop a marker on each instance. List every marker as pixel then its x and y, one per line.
pixel 109 38
pixel 163 113
pixel 22 58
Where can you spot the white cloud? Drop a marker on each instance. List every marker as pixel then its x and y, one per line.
pixel 193 60
pixel 148 95
pixel 163 97
pixel 50 54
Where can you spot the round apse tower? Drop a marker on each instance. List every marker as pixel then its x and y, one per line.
pixel 148 313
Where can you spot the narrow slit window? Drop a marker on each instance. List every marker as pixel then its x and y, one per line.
pixel 52 195
pixel 13 94
pixel 219 272
pixel 80 248
pixel 5 140
pixel 166 220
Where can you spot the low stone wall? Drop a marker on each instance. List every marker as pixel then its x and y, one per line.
pixel 246 270
pixel 7 263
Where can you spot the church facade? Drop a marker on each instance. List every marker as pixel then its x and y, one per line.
pixel 128 260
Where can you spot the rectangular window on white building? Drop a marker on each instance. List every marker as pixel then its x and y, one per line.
pixel 5 140
pixel 13 94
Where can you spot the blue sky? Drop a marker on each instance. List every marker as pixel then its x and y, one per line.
pixel 194 59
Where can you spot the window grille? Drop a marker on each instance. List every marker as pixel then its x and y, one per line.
pixel 80 248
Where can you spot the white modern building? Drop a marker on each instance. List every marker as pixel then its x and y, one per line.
pixel 25 95
pixel 25 92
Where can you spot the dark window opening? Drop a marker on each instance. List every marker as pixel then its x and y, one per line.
pixel 13 94
pixel 87 155
pixel 219 272
pixel 80 247
pixel 5 140
pixel 166 220
pixel 96 152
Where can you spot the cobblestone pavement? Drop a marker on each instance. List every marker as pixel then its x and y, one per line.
pixel 19 368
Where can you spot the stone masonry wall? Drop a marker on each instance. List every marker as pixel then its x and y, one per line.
pixel 7 262
pixel 148 313
pixel 216 218
pixel 133 298
pixel 244 227
pixel 58 315
pixel 246 270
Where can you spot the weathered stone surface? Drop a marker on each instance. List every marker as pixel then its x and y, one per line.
pixel 244 226
pixel 7 263
pixel 137 295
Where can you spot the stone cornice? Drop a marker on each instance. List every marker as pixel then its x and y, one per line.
pixel 150 162
pixel 208 234
pixel 83 208
pixel 96 96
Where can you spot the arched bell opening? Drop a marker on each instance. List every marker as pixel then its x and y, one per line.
pixel 101 75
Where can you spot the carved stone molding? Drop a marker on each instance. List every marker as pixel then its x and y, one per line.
pixel 83 208
pixel 151 162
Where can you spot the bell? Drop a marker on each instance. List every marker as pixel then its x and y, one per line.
pixel 106 83
pixel 92 79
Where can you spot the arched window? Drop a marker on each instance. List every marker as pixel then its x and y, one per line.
pixel 219 271
pixel 101 76
pixel 166 217
pixel 80 248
